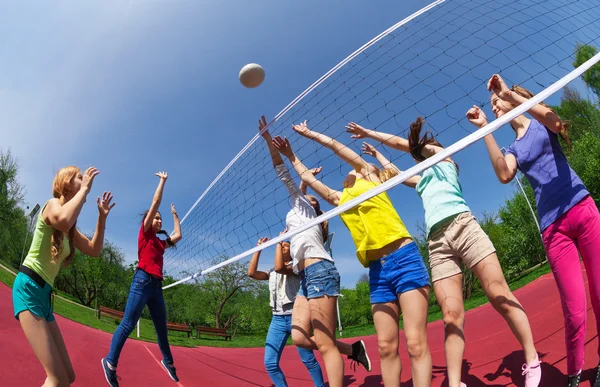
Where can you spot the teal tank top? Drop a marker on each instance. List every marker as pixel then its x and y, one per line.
pixel 441 192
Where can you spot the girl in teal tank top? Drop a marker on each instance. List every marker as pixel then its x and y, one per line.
pixel 54 242
pixel 398 278
pixel 455 239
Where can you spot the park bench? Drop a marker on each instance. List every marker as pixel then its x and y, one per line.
pixel 213 331
pixel 180 328
pixel 103 310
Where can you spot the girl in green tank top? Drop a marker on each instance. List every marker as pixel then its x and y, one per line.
pixel 455 238
pixel 379 235
pixel 54 242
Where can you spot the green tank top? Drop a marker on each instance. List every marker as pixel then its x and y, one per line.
pixel 39 258
pixel 441 192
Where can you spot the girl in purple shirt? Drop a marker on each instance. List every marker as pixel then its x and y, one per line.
pixel 569 218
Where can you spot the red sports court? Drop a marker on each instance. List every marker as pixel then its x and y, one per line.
pixel 492 356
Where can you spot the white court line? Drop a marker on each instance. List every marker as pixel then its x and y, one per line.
pixel 161 366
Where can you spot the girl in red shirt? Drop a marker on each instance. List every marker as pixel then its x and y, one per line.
pixel 146 288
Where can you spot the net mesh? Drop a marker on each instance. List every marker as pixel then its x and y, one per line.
pixel 435 66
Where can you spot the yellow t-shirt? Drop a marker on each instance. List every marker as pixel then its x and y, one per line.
pixel 373 223
pixel 39 258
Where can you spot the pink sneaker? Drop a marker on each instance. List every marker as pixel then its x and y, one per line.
pixel 532 373
pixel 462 384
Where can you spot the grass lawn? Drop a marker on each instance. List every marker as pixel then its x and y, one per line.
pixel 88 317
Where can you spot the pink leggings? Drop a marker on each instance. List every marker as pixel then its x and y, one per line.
pixel 576 232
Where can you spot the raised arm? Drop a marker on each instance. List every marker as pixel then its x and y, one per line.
pixel 385 163
pixel 390 140
pixel 63 216
pixel 279 265
pixel 330 195
pixel 93 247
pixel 303 185
pixel 155 200
pixel 176 237
pixel 341 150
pixel 252 268
pixel 505 167
pixel 540 112
pixel 275 156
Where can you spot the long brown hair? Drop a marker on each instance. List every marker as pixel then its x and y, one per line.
pixel 325 224
pixel 60 185
pixel 416 143
pixel 564 132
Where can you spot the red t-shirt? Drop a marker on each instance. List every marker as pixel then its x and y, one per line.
pixel 150 252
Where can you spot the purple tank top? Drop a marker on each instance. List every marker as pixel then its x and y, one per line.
pixel 556 186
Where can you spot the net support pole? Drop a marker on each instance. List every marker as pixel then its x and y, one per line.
pixel 337 305
pixel 412 171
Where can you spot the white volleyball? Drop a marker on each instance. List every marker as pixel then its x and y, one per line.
pixel 252 75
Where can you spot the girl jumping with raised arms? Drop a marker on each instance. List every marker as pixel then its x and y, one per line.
pixel 283 287
pixel 398 278
pixel 146 287
pixel 456 239
pixel 569 218
pixel 54 242
pixel 315 305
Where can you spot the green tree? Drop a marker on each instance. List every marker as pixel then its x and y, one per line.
pixel 355 305
pixel 90 279
pixel 585 161
pixel 223 288
pixel 581 115
pixel 591 77
pixel 13 222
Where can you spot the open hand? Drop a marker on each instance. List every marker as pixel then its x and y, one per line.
pixel 302 129
pixel 356 130
pixel 368 149
pixel 262 123
pixel 88 178
pixel 283 146
pixel 104 205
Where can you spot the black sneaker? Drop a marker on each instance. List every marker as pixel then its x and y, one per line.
pixel 110 375
pixel 170 369
pixel 597 382
pixel 574 380
pixel 359 355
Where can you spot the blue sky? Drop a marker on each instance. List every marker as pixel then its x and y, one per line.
pixel 137 87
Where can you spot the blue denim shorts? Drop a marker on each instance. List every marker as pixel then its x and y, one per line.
pixel 397 273
pixel 319 279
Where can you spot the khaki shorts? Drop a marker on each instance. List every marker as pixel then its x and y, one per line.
pixel 462 241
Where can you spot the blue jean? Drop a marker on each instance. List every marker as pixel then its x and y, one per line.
pixel 319 279
pixel 279 331
pixel 401 271
pixel 145 290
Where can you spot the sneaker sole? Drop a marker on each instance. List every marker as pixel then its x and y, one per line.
pixel 168 373
pixel 362 343
pixel 104 371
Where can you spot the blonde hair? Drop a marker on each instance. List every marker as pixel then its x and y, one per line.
pixel 523 92
pixel 386 174
pixel 60 186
